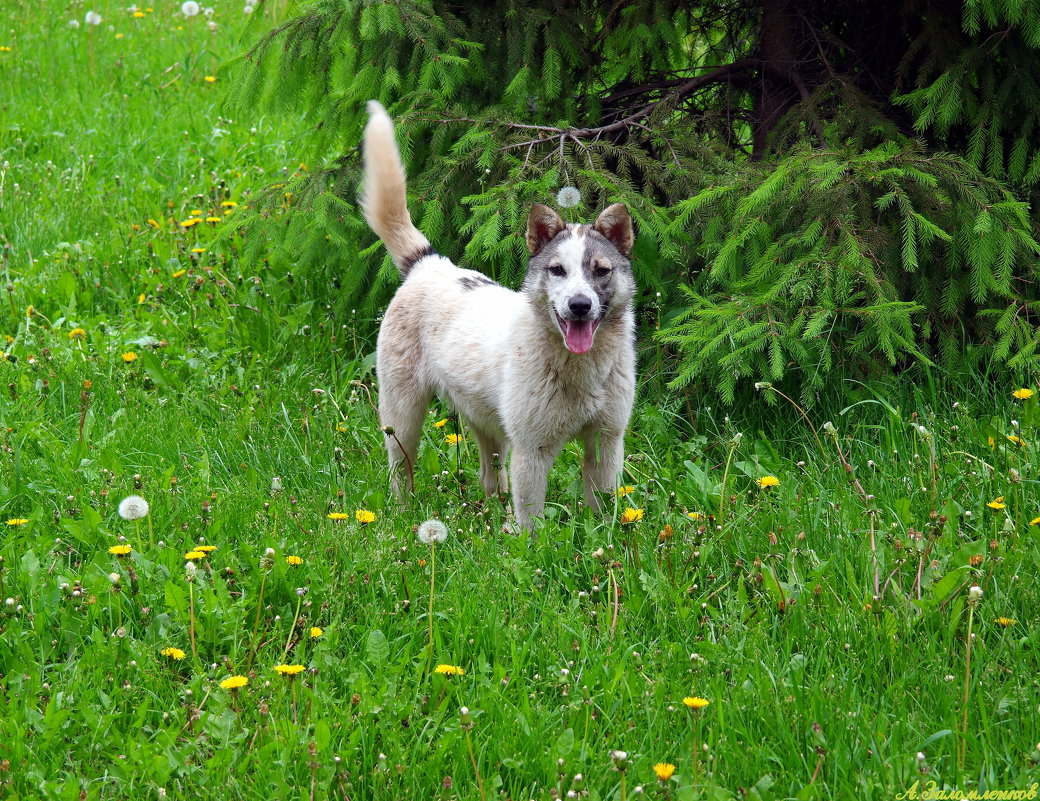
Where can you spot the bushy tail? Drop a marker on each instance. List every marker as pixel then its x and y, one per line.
pixel 383 198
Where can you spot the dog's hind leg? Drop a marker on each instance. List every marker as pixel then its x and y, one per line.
pixel 402 407
pixel 493 476
pixel 601 467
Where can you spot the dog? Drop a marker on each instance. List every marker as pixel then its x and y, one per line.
pixel 528 371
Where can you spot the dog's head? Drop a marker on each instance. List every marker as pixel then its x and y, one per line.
pixel 579 274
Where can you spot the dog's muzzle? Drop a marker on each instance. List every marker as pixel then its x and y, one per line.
pixel 578 334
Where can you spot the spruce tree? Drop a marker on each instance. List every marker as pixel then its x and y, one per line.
pixel 819 187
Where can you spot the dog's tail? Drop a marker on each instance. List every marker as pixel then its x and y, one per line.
pixel 383 198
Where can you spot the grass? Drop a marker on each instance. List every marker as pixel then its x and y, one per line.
pixel 826 619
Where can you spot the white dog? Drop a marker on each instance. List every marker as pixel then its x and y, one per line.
pixel 529 370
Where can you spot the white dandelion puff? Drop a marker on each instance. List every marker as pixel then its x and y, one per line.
pixel 93 18
pixel 133 507
pixel 432 531
pixel 568 197
pixel 74 24
pixel 190 8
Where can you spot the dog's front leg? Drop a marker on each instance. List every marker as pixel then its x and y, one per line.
pixel 529 474
pixel 601 467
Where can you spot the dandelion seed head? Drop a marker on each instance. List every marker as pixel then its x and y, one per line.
pixel 133 507
pixel 432 531
pixel 92 18
pixel 190 8
pixel 568 197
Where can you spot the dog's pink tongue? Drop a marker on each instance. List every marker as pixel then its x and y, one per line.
pixel 578 335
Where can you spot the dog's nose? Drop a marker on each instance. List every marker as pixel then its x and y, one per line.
pixel 580 305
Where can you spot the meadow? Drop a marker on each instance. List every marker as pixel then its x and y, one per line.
pixel 836 602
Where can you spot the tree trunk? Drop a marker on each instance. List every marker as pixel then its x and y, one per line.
pixel 778 49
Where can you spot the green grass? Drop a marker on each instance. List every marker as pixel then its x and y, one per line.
pixel 828 663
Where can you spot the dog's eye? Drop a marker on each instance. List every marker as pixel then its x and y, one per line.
pixel 557 269
pixel 599 271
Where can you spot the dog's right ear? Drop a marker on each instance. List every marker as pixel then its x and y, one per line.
pixel 542 225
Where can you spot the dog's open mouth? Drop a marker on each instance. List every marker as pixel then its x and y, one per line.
pixel 578 333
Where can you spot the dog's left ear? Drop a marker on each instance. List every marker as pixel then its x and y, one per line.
pixel 542 225
pixel 615 224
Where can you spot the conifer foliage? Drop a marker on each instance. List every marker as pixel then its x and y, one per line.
pixel 817 185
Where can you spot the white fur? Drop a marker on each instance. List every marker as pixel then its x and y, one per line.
pixel 503 364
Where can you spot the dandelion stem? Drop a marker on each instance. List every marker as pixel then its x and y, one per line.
pixel 962 745
pixel 429 611
pixel 805 416
pixel 292 628
pixel 476 770
pixel 615 600
pixel 191 619
pixel 725 478
pixel 256 622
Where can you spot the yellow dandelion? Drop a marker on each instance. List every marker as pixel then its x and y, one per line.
pixel 768 481
pixel 130 356
pixel 1005 621
pixel 229 204
pixel 316 632
pixel 997 503
pixel 77 333
pixel 338 516
pixel 342 428
pixel 29 311
pixel 1017 441
pixel 695 515
pixel 119 550
pixel 138 15
pixel 5 49
pixel 289 670
pixel 453 439
pixel 119 36
pixel 210 79
pixel 191 222
pixel 441 423
pixel 625 490
pixel 141 298
pixel 17 521
pixel 178 274
pixel 1035 521
pixel 173 653
pixel 449 670
pixel 631 515
pixel 1023 394
pixel 198 250
pixel 153 223
pixel 295 561
pixel 991 442
pixel 695 703
pixel 212 219
pixel 664 771
pixel 234 682
pixel 364 516
pixel 190 555
pixel 205 548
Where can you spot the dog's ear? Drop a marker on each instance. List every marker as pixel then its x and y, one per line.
pixel 615 224
pixel 542 225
